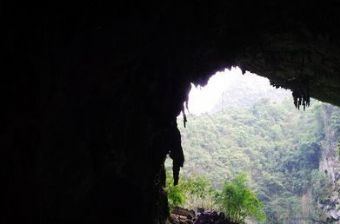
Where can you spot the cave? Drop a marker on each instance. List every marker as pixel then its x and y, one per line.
pixel 91 93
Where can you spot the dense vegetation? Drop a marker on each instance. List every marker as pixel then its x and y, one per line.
pixel 191 192
pixel 236 199
pixel 278 146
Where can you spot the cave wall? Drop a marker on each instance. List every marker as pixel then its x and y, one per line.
pixel 329 163
pixel 91 92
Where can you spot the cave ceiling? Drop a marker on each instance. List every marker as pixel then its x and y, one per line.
pixel 291 43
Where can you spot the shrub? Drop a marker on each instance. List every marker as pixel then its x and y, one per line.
pixel 239 202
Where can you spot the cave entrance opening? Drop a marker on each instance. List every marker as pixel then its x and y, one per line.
pixel 239 126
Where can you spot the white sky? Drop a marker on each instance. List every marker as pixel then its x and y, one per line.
pixel 203 99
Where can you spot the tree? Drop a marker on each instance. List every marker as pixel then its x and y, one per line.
pixel 239 202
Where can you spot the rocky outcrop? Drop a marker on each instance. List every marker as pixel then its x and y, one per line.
pixel 185 216
pixel 212 218
pixel 181 216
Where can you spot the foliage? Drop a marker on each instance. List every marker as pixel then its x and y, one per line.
pixel 191 192
pixel 276 144
pixel 339 150
pixel 176 195
pixel 239 202
pixel 321 185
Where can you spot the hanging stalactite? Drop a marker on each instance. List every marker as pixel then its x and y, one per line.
pixel 300 90
pixel 176 153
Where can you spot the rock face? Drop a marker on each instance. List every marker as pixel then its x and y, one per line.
pixel 329 163
pixel 91 92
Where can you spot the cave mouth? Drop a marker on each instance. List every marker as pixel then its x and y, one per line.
pixel 239 125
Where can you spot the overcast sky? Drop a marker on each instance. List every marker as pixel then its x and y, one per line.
pixel 203 99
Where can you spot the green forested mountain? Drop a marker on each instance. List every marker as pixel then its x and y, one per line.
pixel 288 153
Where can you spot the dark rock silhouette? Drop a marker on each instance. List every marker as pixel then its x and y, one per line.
pixel 184 216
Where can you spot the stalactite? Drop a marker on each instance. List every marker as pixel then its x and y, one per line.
pixel 300 90
pixel 176 153
pixel 184 117
pixel 301 94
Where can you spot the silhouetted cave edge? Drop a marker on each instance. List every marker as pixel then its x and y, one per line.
pixel 93 91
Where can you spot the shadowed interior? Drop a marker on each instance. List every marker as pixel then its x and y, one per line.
pixel 92 92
